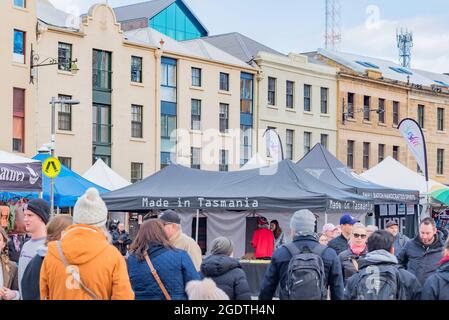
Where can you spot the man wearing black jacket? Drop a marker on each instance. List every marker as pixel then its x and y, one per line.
pixel 340 243
pixel 302 225
pixel 437 285
pixel 421 255
pixel 121 239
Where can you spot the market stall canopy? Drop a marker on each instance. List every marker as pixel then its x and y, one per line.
pixel 101 174
pixel 324 166
pixel 69 185
pixel 393 174
pixel 19 173
pixel 256 162
pixel 278 187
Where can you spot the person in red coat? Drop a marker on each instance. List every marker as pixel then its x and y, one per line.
pixel 263 240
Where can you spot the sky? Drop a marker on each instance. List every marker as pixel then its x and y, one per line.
pixel 368 27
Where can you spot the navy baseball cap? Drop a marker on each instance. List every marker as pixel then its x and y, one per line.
pixel 347 219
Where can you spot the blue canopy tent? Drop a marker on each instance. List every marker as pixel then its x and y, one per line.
pixel 69 185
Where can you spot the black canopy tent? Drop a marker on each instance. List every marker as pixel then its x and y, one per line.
pixel 19 174
pixel 321 164
pixel 280 187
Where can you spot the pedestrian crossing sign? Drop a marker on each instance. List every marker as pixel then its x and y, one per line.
pixel 51 167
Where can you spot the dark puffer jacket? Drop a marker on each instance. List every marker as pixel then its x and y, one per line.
pixel 437 285
pixel 410 288
pixel 339 244
pixel 348 261
pixel 421 260
pixel 228 275
pixel 277 271
pixel 175 268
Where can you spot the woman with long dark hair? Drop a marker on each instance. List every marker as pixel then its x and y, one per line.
pixel 279 238
pixel 158 271
pixel 8 272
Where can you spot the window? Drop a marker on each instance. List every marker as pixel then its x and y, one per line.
pixel 395 112
pixel 20 3
pixel 64 56
pixel 269 155
pixel 289 143
pixel 307 97
pixel 367 64
pixel 246 143
pixel 440 119
pixel 136 69
pixel 101 70
pixel 224 117
pixel 324 140
pixel 440 161
pixel 168 145
pixel 396 153
pixel 136 121
pixel 65 114
pixel 350 154
pixel 19 46
pixel 307 141
pixel 246 93
pixel 168 82
pixel 196 77
pixel 18 120
pixel 381 153
pixel 324 98
pixel 102 124
pixel 401 70
pixel 271 91
pixel 421 115
pixel 366 108
pixel 195 158
pixel 350 105
pixel 366 147
pixel 224 81
pixel 224 160
pixel 65 161
pixel 381 110
pixel 441 83
pixel 136 172
pixel 290 92
pixel 196 114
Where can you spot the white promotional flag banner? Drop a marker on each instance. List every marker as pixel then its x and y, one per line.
pixel 274 145
pixel 412 133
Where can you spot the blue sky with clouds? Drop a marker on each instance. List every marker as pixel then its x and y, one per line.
pixel 368 27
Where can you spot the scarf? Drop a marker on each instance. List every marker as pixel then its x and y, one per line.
pixel 357 249
pixel 444 260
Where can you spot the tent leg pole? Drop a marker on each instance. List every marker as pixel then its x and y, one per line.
pixel 41 195
pixel 197 224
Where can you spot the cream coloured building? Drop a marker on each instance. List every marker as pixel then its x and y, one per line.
pixel 134 89
pixel 17 95
pixel 294 95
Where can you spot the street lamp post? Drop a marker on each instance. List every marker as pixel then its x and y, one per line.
pixel 53 103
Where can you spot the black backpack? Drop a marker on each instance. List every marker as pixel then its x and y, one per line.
pixel 305 273
pixel 379 283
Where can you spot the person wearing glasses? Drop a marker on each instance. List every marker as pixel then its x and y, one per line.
pixel 357 249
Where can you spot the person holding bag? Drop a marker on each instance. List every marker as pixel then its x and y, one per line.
pixel 158 271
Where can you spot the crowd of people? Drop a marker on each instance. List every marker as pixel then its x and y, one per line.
pixel 80 258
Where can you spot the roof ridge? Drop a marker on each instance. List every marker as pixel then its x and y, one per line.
pixel 133 4
pixel 242 43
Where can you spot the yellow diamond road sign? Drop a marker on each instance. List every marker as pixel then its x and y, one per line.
pixel 51 167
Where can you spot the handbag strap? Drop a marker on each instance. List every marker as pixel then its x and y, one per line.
pixel 156 277
pixel 75 274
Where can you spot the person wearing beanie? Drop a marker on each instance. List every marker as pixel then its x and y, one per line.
pixel 302 225
pixel 226 271
pixel 86 245
pixel 263 240
pixel 205 289
pixel 36 216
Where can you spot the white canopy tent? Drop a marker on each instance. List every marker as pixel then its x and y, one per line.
pixel 393 174
pixel 256 162
pixel 105 177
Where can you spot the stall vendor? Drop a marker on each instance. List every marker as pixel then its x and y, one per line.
pixel 263 240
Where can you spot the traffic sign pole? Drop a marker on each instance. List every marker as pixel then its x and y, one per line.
pixel 53 132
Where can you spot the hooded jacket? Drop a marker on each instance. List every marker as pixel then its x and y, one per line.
pixel 228 275
pixel 263 243
pixel 410 287
pixel 31 276
pixel 422 260
pixel 277 270
pixel 101 267
pixel 437 285
pixel 174 267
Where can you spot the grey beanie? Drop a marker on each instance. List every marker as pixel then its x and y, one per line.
pixel 222 245
pixel 303 222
